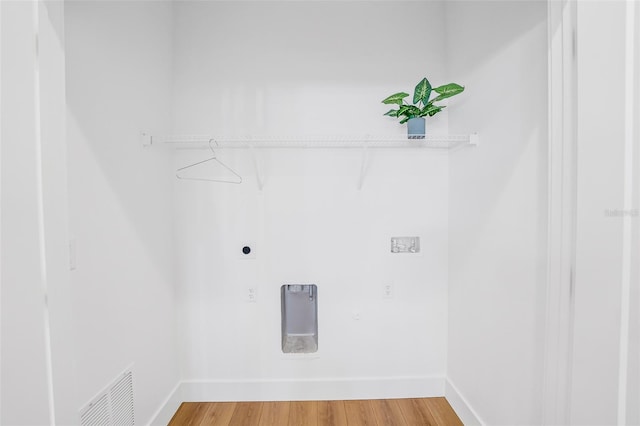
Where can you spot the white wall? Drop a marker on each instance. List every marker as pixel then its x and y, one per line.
pixel 304 68
pixel 118 83
pixel 497 209
pixel 294 68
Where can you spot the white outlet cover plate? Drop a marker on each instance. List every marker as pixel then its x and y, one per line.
pixel 387 291
pixel 252 295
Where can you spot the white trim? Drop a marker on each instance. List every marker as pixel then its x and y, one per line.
pixel 41 215
pixel 1 257
pixel 625 296
pixel 168 408
pixel 461 406
pixel 299 390
pixel 313 389
pixel 561 213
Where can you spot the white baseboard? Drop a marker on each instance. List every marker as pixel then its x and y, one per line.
pixel 313 389
pixel 299 390
pixel 461 406
pixel 163 416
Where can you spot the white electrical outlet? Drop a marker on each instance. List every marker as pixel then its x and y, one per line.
pixel 252 295
pixel 146 139
pixel 387 291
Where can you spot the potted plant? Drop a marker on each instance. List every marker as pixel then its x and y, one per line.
pixel 413 114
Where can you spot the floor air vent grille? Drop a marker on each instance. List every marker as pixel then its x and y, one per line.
pixel 113 406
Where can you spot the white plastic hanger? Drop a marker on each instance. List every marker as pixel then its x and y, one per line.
pixel 200 163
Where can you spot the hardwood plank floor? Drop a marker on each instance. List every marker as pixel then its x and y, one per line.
pixel 388 412
pixel 360 413
pixel 332 413
pixel 246 414
pixel 218 414
pixel 275 413
pixel 377 412
pixel 442 412
pixel 415 413
pixel 304 413
pixel 190 416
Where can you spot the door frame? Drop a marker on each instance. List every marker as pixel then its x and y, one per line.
pixel 561 185
pixel 562 211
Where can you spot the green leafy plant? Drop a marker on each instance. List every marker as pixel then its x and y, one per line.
pixel 422 105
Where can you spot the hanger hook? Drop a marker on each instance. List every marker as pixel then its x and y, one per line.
pixel 211 146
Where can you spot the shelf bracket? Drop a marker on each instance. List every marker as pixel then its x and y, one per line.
pixel 474 139
pixel 363 165
pixel 146 139
pixel 254 159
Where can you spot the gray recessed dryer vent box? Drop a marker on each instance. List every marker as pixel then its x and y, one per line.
pixel 299 304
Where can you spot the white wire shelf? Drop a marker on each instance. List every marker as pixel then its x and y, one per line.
pixel 373 141
pixel 439 142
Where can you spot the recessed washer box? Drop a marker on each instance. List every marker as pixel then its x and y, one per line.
pixel 299 304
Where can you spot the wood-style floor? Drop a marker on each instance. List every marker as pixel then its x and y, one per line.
pixel 379 412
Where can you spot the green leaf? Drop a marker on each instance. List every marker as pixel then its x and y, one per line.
pixel 403 110
pixel 408 111
pixel 422 91
pixel 430 110
pixel 404 120
pixel 447 91
pixel 392 113
pixel 435 111
pixel 396 98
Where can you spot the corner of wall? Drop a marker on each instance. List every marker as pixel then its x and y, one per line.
pixel 461 406
pixel 168 407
